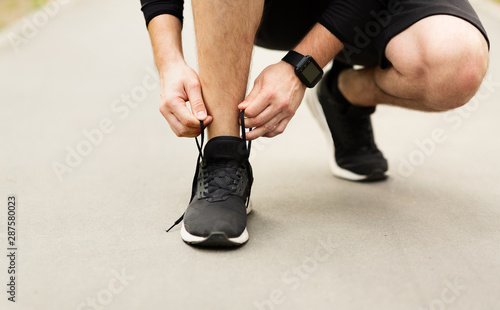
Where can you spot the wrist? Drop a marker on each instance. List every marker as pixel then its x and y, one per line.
pixel 168 62
pixel 321 44
pixel 290 70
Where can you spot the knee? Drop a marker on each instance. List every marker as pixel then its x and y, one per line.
pixel 452 72
pixel 454 81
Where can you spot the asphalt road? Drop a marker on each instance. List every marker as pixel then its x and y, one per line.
pixel 98 176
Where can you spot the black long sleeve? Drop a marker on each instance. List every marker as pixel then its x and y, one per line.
pixel 153 8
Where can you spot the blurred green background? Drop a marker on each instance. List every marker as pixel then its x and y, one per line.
pixel 12 10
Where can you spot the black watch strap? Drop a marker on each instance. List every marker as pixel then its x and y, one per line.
pixel 293 58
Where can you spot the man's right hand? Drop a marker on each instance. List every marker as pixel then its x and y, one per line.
pixel 179 84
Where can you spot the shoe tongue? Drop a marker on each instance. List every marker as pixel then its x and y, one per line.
pixel 224 149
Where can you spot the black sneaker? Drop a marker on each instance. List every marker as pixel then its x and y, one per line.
pixel 356 156
pixel 217 213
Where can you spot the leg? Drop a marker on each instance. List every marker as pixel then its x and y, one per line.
pixel 217 212
pixel 437 64
pixel 225 33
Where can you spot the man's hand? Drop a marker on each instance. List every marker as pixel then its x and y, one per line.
pixel 179 84
pixel 276 95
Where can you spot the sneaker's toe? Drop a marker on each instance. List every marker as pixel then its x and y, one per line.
pixel 362 168
pixel 201 220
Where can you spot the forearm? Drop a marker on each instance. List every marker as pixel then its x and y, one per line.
pixel 321 44
pixel 165 33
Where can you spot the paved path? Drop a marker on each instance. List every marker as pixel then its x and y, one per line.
pixel 98 177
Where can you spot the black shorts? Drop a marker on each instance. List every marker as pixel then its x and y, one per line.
pixel 286 22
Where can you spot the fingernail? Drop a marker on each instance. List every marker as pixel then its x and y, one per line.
pixel 201 114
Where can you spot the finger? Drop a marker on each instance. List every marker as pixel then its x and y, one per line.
pixel 260 104
pixel 183 131
pixel 208 120
pixel 193 90
pixel 279 129
pixel 250 97
pixel 179 117
pixel 179 129
pixel 264 129
pixel 261 119
pixel 182 113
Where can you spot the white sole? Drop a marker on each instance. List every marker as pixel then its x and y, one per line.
pixel 215 239
pixel 317 111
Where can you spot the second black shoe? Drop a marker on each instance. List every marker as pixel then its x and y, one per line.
pixel 356 156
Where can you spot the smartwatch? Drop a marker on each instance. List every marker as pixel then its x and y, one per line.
pixel 306 69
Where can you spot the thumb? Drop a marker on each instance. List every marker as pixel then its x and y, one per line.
pixel 196 101
pixel 250 97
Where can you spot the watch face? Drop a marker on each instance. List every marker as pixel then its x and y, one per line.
pixel 308 71
pixel 311 72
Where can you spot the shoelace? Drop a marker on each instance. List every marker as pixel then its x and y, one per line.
pixel 223 187
pixel 219 180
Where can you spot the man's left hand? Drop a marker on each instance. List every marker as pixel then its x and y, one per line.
pixel 276 95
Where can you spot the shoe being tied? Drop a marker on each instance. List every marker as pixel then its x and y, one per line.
pixel 356 156
pixel 217 213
